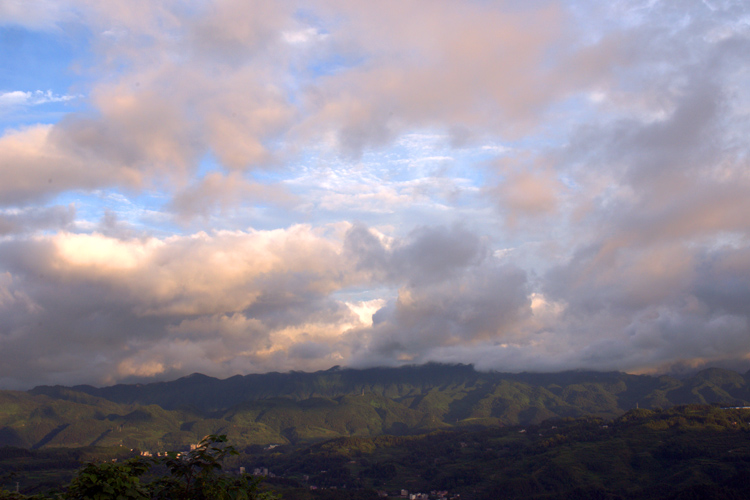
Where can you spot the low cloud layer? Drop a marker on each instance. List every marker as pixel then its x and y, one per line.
pixel 231 187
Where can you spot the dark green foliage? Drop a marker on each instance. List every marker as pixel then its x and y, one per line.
pixel 104 481
pixel 9 495
pixel 382 471
pixel 196 475
pixel 682 452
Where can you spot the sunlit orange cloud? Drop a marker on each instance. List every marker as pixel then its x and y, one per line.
pixel 202 273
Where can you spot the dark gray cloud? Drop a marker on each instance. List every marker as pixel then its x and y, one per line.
pixel 426 255
pixel 451 293
pixel 487 303
pixel 654 307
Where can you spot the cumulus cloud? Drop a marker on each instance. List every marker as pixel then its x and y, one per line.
pixel 542 186
pixel 127 301
pixel 242 301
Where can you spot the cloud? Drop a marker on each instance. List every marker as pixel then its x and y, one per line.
pixel 234 301
pixel 524 194
pixel 661 305
pixel 223 192
pixel 19 98
pixel 14 98
pixel 232 30
pixel 471 65
pixel 36 14
pixel 485 303
pixel 186 80
pixel 451 293
pixel 37 164
pixel 133 303
pixel 663 220
pixel 33 219
pixel 427 255
pixel 157 114
pixel 603 227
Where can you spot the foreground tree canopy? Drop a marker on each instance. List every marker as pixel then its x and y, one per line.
pixel 196 475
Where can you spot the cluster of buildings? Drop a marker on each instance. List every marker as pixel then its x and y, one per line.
pixel 147 453
pixel 433 495
pixel 263 471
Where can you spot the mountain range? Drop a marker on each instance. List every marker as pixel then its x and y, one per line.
pixel 298 407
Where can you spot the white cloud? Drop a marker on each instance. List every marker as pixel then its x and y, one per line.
pixel 364 309
pixel 14 98
pixel 302 36
pixel 21 98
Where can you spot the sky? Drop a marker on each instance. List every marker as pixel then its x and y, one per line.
pixel 235 186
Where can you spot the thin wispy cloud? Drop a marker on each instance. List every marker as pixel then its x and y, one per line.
pixel 19 98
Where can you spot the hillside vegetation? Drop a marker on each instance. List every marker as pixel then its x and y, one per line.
pixel 297 407
pixel 686 452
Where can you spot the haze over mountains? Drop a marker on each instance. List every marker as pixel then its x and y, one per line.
pixel 296 407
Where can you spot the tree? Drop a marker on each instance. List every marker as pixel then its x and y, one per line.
pixel 196 475
pixel 110 480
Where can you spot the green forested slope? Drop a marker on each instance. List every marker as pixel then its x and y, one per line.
pixel 297 407
pixel 685 452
